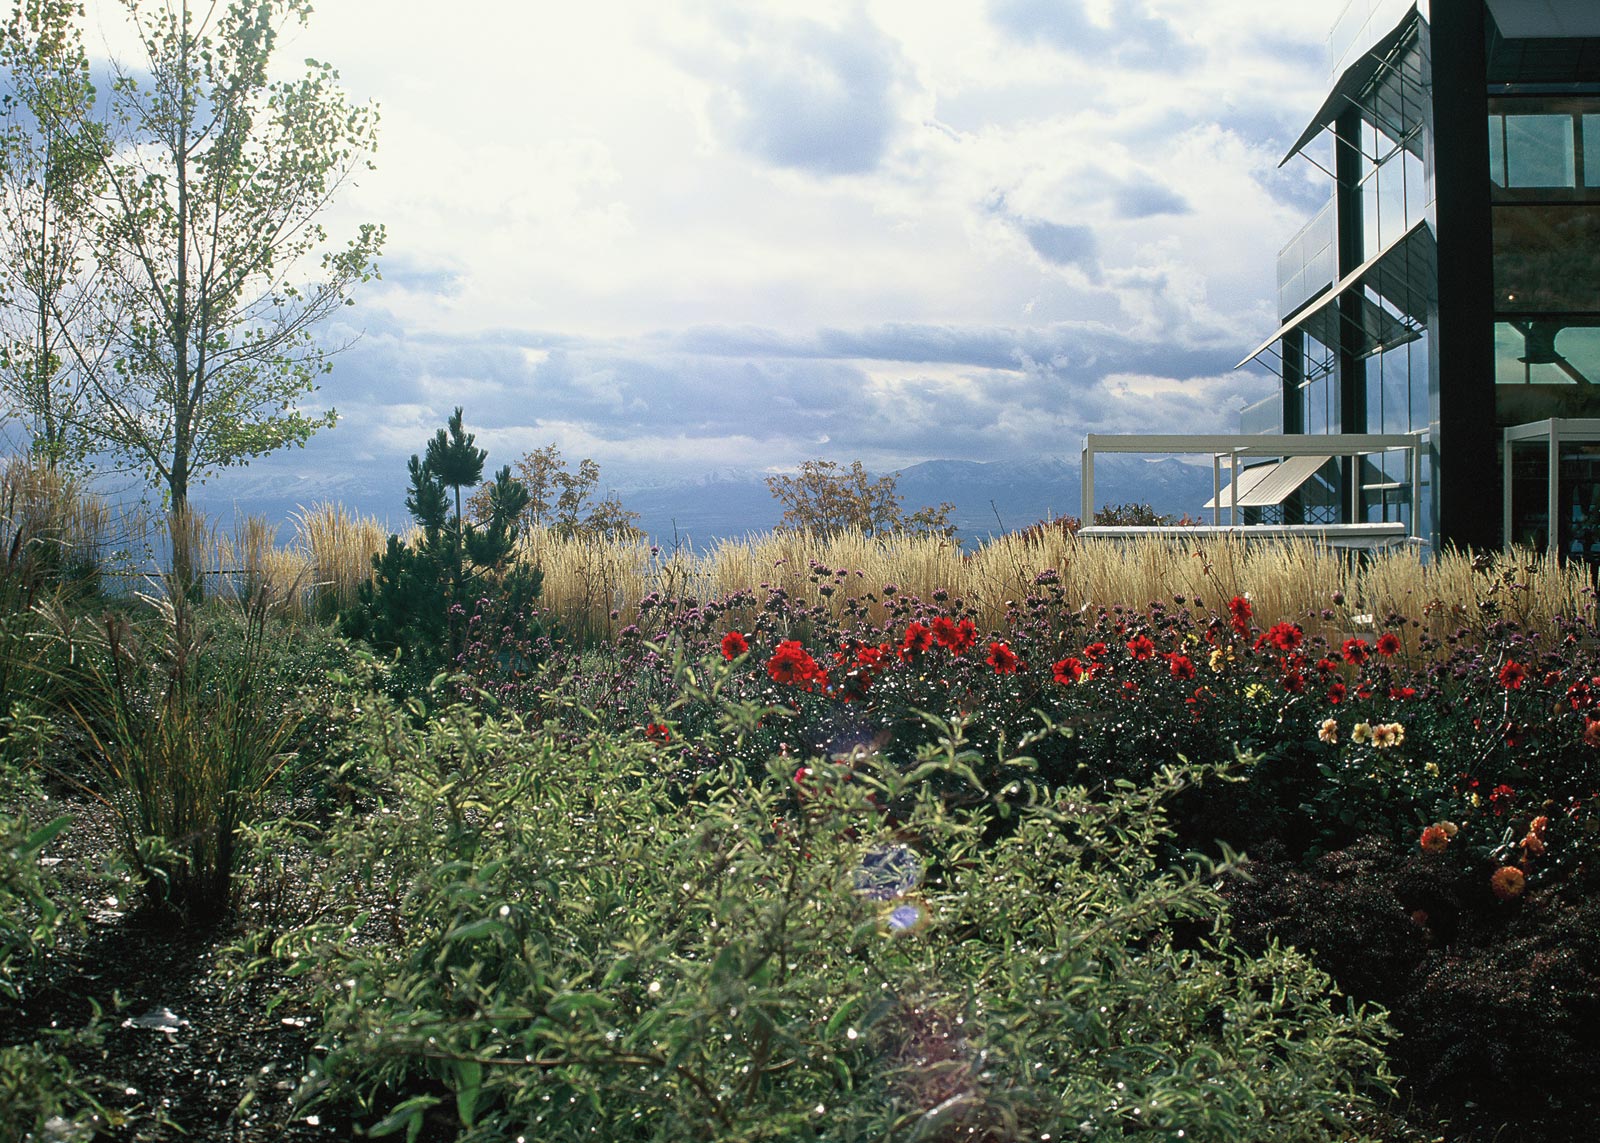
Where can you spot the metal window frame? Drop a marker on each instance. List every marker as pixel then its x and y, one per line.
pixel 1555 431
pixel 1234 447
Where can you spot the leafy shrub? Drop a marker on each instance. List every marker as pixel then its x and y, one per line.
pixel 42 1098
pixel 29 913
pixel 1383 729
pixel 563 500
pixel 573 941
pixel 825 498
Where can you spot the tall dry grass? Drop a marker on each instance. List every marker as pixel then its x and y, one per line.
pixel 64 525
pixel 338 546
pixel 313 576
pixel 594 588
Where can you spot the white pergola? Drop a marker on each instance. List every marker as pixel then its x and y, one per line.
pixel 1553 432
pixel 1233 447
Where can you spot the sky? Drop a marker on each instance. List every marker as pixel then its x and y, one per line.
pixel 694 235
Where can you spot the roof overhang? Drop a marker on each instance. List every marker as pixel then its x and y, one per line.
pixel 1402 275
pixel 1268 485
pixel 1355 79
pixel 1541 19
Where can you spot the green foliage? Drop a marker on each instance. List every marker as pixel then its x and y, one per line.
pixel 1131 515
pixel 182 741
pixel 29 914
pixel 826 498
pixel 420 598
pixel 41 1097
pixel 575 941
pixel 193 258
pixel 50 174
pixel 563 499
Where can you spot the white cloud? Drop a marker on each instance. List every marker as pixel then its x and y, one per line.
pixel 707 229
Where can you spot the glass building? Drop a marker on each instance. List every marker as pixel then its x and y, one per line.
pixel 1450 288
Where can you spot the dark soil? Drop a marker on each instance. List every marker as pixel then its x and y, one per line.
pixel 177 1051
pixel 1497 1002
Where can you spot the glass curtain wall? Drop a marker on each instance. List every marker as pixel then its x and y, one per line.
pixel 1396 194
pixel 1544 169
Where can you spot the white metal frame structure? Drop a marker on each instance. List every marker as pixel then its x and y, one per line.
pixel 1554 432
pixel 1235 447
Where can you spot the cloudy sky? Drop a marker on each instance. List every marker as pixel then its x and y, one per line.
pixel 687 235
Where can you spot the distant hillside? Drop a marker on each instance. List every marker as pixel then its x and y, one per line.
pixel 1003 496
pixel 989 497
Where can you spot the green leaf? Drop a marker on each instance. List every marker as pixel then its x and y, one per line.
pixel 840 1015
pixel 727 965
pixel 469 1082
pixel 567 1004
pixel 42 836
pixel 473 930
pixel 934 1121
pixel 406 1117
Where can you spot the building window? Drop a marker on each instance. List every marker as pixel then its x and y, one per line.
pixel 1532 150
pixel 1591 147
pixel 1546 352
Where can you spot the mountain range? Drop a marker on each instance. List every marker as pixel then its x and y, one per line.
pixel 990 497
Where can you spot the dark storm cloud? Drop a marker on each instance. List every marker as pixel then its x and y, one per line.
pixel 810 97
pixel 1086 346
pixel 1134 38
pixel 1063 245
pixel 929 389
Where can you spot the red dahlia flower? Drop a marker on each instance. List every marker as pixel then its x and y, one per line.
pixel 1003 659
pixel 1388 644
pixel 1181 666
pixel 733 645
pixel 1141 647
pixel 917 639
pixel 953 636
pixel 1069 670
pixel 1512 674
pixel 1285 636
pixel 792 665
pixel 1355 651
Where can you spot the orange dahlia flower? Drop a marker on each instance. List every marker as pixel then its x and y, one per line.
pixel 1508 882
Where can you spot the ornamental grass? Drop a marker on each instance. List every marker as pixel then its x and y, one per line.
pixel 594 587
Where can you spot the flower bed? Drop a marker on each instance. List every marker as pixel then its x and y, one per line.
pixel 1470 758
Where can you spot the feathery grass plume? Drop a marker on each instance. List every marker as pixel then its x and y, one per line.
pixel 339 546
pixel 66 528
pixel 1325 589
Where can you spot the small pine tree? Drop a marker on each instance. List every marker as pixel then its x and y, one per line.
pixel 420 599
